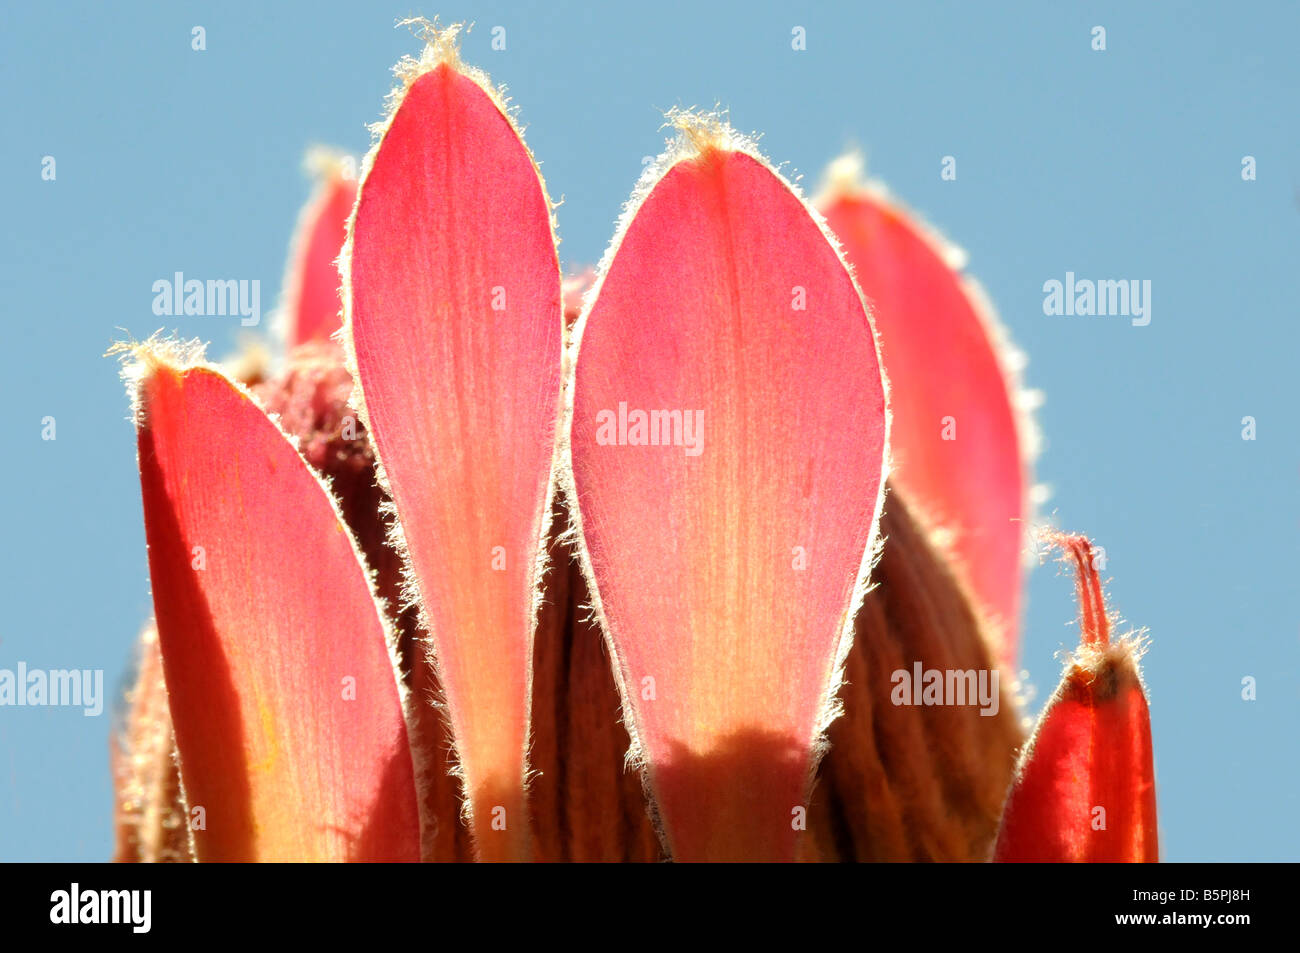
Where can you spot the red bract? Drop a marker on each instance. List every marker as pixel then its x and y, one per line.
pixel 454 324
pixel 958 444
pixel 286 706
pixel 670 523
pixel 728 435
pixel 1085 786
pixel 312 304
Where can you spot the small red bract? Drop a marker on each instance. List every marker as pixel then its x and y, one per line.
pixel 1085 785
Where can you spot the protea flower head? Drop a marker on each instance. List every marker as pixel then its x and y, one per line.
pixel 683 558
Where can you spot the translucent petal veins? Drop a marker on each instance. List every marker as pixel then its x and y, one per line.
pixel 288 719
pixel 1084 790
pixel 728 430
pixel 957 444
pixel 454 328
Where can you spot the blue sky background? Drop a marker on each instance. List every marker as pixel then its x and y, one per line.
pixel 1117 164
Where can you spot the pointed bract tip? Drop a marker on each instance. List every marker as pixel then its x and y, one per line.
pixel 845 179
pixel 325 163
pixel 441 45
pixel 845 176
pixel 704 131
pixel 158 352
pixel 141 360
